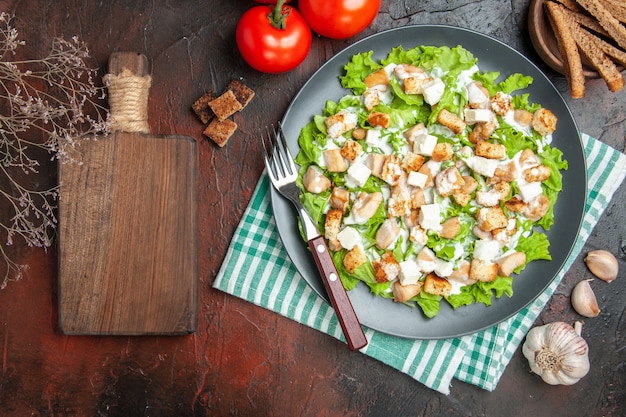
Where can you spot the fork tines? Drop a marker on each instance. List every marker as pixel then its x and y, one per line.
pixel 276 153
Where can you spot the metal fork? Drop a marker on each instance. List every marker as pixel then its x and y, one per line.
pixel 283 174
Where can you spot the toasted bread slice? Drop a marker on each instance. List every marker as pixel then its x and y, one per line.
pixel 616 54
pixel 600 61
pixel 587 21
pixel 611 24
pixel 202 109
pixel 242 92
pixel 572 64
pixel 618 10
pixel 571 5
pixel 220 131
pixel 225 105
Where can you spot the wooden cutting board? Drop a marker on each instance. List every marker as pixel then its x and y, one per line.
pixel 128 229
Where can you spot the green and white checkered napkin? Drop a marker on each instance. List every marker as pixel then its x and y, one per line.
pixel 258 269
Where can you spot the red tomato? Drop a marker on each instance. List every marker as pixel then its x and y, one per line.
pixel 266 47
pixel 338 19
pixel 270 1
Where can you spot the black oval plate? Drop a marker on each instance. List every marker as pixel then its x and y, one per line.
pixel 398 319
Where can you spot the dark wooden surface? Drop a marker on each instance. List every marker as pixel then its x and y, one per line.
pixel 245 361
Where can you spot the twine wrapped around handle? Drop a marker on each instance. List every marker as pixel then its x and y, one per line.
pixel 128 100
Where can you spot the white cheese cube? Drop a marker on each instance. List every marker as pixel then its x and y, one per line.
pixel 417 179
pixel 372 137
pixel 473 116
pixel 348 237
pixel 424 144
pixel 358 174
pixel 433 91
pixel 443 268
pixel 430 216
pixel 482 166
pixel 409 273
pixel 486 250
pixel 529 190
pixel 475 95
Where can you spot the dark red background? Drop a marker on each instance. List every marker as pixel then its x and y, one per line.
pixel 243 360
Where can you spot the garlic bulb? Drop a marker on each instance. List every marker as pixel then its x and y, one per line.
pixel 584 300
pixel 602 264
pixel 557 353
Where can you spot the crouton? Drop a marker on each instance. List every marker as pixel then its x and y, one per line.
pixel 359 133
pixel 461 198
pixel 332 224
pixel 202 109
pixel 484 271
pixel 225 105
pixel 490 218
pixel 220 131
pixel 437 286
pixel 413 161
pixel 451 121
pixel 354 258
pixel 490 150
pixel 442 152
pixel 242 93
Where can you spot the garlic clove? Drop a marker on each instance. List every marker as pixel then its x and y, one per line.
pixel 602 264
pixel 584 299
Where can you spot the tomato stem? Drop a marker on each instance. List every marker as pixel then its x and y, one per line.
pixel 276 15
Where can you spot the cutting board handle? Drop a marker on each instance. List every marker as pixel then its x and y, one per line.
pixel 129 84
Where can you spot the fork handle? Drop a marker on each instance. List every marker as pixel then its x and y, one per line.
pixel 338 296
